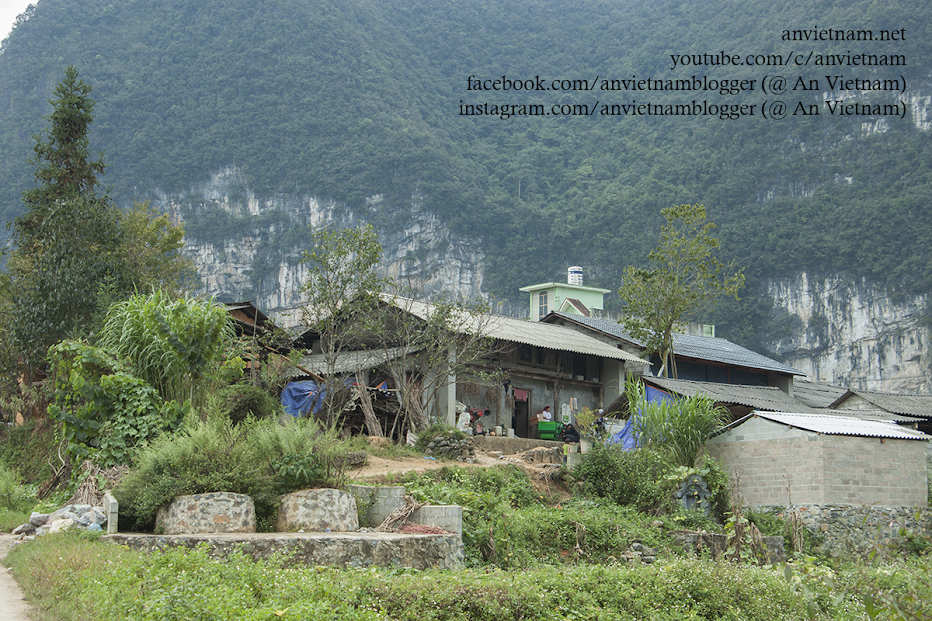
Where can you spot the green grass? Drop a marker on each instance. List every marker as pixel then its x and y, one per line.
pixel 73 577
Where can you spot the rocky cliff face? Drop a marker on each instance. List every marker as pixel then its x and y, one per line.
pixel 854 334
pixel 417 247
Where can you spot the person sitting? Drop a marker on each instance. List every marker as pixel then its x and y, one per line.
pixel 570 433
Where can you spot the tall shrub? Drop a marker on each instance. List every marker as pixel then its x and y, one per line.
pixel 173 344
pixel 679 426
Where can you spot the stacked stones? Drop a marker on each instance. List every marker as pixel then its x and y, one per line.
pixel 84 517
pixel 639 553
pixel 452 448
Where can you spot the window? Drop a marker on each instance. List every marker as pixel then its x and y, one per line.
pixel 542 305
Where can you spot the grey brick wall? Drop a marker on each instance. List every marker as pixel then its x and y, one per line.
pixel 779 465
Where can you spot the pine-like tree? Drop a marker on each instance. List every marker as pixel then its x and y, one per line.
pixel 65 244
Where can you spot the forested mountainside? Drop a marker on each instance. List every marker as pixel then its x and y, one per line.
pixel 356 106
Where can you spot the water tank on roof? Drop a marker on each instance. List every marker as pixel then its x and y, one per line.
pixel 574 275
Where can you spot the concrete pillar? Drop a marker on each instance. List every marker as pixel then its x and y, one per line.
pixel 446 395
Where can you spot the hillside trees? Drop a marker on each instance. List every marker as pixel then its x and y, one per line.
pixel 684 277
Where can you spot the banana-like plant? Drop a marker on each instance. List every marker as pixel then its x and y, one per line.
pixel 173 344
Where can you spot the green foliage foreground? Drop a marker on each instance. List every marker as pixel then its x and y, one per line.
pixel 79 578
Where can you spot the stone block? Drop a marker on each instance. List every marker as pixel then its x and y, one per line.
pixel 111 511
pixel 377 503
pixel 318 510
pixel 216 512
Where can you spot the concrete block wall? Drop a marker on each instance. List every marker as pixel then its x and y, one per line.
pixel 377 503
pixel 447 517
pixel 776 464
pixel 785 466
pixel 382 501
pixel 882 471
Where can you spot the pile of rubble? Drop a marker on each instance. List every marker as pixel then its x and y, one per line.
pixel 84 517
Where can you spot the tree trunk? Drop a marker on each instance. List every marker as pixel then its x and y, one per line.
pixel 372 423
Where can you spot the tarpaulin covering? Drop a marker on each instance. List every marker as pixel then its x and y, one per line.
pixel 626 437
pixel 305 396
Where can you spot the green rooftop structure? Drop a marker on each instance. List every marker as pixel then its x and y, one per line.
pixel 570 297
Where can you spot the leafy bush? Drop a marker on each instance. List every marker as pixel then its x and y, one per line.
pixel 30 448
pixel 13 496
pixel 262 459
pixel 487 496
pixel 634 478
pixel 680 426
pixel 574 531
pixel 172 344
pixel 206 456
pixel 105 411
pixel 242 400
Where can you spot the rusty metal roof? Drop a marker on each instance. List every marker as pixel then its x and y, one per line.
pixel 838 425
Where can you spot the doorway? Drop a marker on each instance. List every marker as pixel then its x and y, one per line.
pixel 522 410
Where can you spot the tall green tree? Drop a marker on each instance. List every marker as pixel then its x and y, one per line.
pixel 65 244
pixel 683 278
pixel 74 253
pixel 342 291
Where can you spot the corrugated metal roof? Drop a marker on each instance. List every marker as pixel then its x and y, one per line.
pixel 351 361
pixel 534 333
pixel 911 405
pixel 839 425
pixel 759 397
pixel 873 415
pixel 815 394
pixel 693 346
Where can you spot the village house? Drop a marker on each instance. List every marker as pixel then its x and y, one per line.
pixel 822 459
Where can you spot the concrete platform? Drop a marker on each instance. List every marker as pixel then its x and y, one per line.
pixel 344 549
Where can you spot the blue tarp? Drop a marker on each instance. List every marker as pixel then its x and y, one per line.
pixel 299 398
pixel 626 437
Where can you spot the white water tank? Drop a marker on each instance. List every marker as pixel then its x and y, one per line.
pixel 574 275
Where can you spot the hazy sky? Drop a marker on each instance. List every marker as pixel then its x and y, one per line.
pixel 9 9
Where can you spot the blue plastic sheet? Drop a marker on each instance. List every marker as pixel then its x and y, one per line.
pixel 626 437
pixel 305 396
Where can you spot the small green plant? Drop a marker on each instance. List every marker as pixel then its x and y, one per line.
pixel 298 471
pixel 587 424
pixel 635 478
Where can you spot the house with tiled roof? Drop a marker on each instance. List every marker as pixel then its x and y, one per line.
pixel 918 407
pixel 698 358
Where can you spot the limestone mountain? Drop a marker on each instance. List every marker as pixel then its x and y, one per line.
pixel 250 121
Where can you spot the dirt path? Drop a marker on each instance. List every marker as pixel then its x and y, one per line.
pixel 13 606
pixel 384 469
